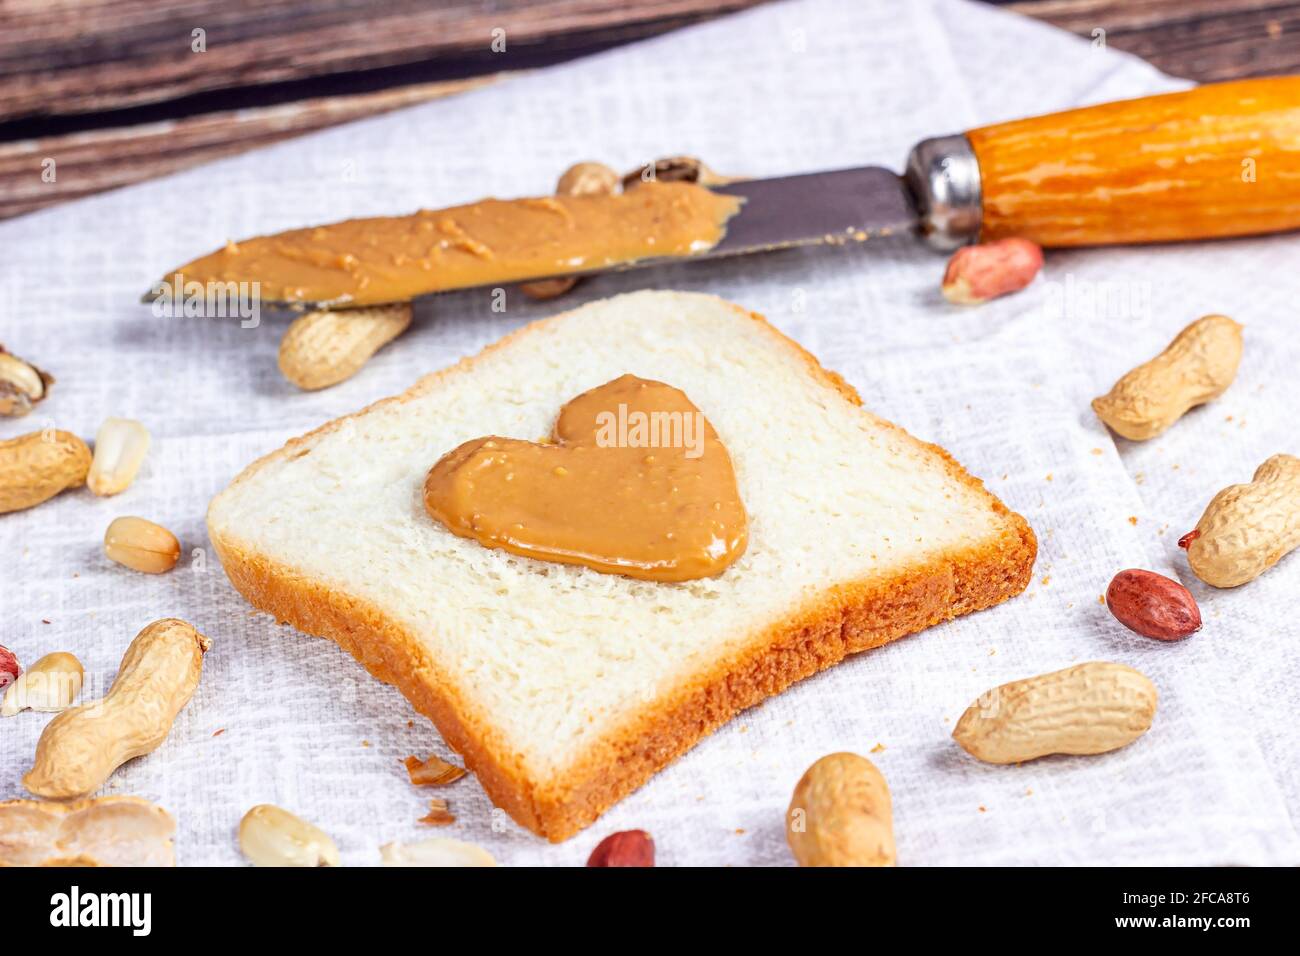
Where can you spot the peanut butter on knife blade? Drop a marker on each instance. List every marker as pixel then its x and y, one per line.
pixel 371 261
pixel 635 482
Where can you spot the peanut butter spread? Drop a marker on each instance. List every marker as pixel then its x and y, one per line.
pixel 370 261
pixel 635 481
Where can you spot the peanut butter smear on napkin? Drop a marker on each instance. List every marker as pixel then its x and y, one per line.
pixel 370 261
pixel 634 481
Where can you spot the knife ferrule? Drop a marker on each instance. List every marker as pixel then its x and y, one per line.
pixel 943 176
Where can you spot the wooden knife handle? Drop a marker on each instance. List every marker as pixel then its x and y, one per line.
pixel 1219 160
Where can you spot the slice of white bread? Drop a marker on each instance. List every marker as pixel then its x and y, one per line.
pixel 564 688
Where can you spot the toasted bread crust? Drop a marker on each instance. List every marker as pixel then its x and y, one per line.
pixel 846 618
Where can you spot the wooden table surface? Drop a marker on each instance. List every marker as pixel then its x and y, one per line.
pixel 117 91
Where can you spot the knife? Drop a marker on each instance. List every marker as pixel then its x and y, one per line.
pixel 1216 161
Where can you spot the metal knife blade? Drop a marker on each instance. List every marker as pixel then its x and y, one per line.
pixel 846 205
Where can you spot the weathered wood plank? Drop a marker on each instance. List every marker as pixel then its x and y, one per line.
pixel 73 56
pixel 1204 40
pixel 1081 16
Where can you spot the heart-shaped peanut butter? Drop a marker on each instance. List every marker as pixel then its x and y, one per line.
pixel 635 481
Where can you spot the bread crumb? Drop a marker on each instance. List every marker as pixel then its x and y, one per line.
pixel 45 620
pixel 1096 451
pixel 365 743
pixel 984 809
pixel 992 651
pixel 1228 419
pixel 439 814
pixel 432 772
pixel 1029 791
pixel 1047 579
pixel 1049 476
pixel 740 831
pixel 1274 30
pixel 744 728
pixel 1133 520
pixel 879 748
pixel 410 723
pixel 1101 599
pixel 218 733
